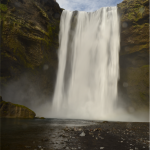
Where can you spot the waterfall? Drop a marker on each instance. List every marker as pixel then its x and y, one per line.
pixel 88 72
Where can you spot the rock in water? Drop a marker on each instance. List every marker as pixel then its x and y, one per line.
pixel 82 134
pixel 10 110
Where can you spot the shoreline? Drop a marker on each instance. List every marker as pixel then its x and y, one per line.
pixel 58 134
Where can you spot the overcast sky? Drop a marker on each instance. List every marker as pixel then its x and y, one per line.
pixel 86 5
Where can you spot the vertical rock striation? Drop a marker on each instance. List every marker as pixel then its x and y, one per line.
pixel 134 53
pixel 29 41
pixel 10 110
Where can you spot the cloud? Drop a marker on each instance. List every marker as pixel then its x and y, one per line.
pixel 87 5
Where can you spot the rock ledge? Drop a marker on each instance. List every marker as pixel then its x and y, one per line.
pixel 10 110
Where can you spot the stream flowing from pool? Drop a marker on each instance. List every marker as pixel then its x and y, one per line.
pixel 88 72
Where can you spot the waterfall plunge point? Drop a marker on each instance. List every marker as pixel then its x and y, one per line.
pixel 88 72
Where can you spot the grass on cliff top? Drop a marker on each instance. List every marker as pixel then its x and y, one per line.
pixel 17 105
pixel 22 107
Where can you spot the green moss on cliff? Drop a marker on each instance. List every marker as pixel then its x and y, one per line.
pixel 29 41
pixel 44 14
pixel 142 95
pixel 134 10
pixel 145 66
pixel 3 7
pixel 3 13
pixel 22 107
pixel 136 14
pixel 3 102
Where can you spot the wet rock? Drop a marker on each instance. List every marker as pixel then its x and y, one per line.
pixel 82 134
pixel 40 117
pixel 27 146
pixel 105 121
pixel 101 137
pixel 63 135
pixel 101 147
pixel 66 129
pixel 45 140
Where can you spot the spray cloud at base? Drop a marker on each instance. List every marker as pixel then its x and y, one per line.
pixel 25 92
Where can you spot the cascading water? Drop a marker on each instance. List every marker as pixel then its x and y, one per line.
pixel 88 70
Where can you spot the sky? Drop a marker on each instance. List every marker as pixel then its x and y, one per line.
pixel 86 5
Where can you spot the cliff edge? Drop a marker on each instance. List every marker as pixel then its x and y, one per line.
pixel 134 52
pixel 10 110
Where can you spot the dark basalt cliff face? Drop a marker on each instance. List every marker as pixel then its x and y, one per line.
pixel 29 42
pixel 10 110
pixel 29 45
pixel 134 52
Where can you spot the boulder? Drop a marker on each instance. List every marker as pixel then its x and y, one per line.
pixel 10 110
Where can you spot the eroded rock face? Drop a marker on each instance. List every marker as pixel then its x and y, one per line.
pixel 29 41
pixel 1 99
pixel 134 52
pixel 10 110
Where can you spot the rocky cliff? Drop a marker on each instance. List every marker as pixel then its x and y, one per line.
pixel 29 42
pixel 10 110
pixel 134 52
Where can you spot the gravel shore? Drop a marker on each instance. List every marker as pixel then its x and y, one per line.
pixel 110 136
pixel 60 134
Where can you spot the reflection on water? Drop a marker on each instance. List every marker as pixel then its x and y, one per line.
pixel 18 133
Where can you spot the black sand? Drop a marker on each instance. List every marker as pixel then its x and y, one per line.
pixel 48 135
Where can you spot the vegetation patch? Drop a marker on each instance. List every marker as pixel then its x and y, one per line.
pixel 44 14
pixel 145 66
pixel 3 102
pixel 3 7
pixel 22 107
